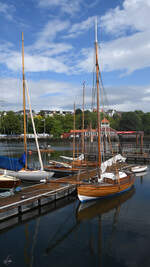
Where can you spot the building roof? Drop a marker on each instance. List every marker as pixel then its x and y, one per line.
pixel 105 121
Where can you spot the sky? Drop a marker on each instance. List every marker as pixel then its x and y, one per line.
pixel 59 53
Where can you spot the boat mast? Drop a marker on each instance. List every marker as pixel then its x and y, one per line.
pixel 83 119
pixel 24 102
pixel 74 135
pixel 97 85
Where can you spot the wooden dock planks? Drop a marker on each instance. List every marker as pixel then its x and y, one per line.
pixel 40 194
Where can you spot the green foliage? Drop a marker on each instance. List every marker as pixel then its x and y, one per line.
pixel 146 122
pixel 11 123
pixel 130 121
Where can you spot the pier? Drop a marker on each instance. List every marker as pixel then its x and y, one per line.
pixel 130 157
pixel 33 198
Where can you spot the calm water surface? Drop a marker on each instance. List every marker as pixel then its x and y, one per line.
pixel 105 233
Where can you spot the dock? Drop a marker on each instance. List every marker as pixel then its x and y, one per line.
pixel 130 157
pixel 35 197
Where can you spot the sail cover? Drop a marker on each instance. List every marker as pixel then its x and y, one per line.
pixel 14 164
pixel 111 161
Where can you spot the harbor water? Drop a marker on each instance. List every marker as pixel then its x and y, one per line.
pixel 104 233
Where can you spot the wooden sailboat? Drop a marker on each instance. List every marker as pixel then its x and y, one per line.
pixel 93 208
pixel 80 160
pixel 61 168
pixel 104 184
pixel 27 174
pixel 8 182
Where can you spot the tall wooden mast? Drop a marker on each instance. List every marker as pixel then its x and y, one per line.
pixel 98 105
pixel 74 135
pixel 24 101
pixel 83 119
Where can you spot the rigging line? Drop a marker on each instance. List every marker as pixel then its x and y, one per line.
pixel 57 242
pixel 57 232
pixel 104 90
pixel 36 139
pixel 34 240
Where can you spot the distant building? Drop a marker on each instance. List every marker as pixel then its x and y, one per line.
pixel 50 113
pixel 92 133
pixel 27 111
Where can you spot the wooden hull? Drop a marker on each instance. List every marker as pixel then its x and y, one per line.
pixel 102 190
pixel 90 209
pixel 7 182
pixel 84 163
pixel 61 171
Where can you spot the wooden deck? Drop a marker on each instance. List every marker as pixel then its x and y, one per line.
pixel 37 195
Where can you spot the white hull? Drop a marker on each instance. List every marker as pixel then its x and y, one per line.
pixel 86 198
pixel 31 176
pixel 137 169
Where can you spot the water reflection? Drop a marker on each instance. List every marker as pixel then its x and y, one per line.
pixel 91 209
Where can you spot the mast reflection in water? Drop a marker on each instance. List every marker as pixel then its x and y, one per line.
pixel 108 233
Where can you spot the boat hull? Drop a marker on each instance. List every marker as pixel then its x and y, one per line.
pixel 103 190
pixel 138 169
pixel 7 183
pixel 32 176
pixel 60 172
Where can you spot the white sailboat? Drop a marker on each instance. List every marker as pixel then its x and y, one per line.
pixel 27 174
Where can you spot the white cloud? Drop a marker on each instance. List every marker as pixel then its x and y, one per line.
pixel 134 15
pixel 66 6
pixel 7 10
pixel 44 94
pixel 81 27
pixel 125 54
pixel 50 31
pixel 43 54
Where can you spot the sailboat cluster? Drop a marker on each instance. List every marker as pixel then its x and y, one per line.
pixel 107 182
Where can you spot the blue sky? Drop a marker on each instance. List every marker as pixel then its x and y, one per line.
pixel 59 52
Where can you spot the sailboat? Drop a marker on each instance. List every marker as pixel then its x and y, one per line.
pixel 62 168
pixel 80 160
pixel 90 209
pixel 8 182
pixel 25 174
pixel 104 184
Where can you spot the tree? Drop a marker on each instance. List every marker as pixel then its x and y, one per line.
pixel 11 123
pixel 57 129
pixel 130 121
pixel 146 122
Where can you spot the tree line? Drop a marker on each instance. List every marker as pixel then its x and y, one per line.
pixel 12 123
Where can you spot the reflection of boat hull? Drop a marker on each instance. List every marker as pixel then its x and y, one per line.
pixel 138 169
pixel 91 209
pixel 31 176
pixel 8 182
pixel 140 174
pixel 91 191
